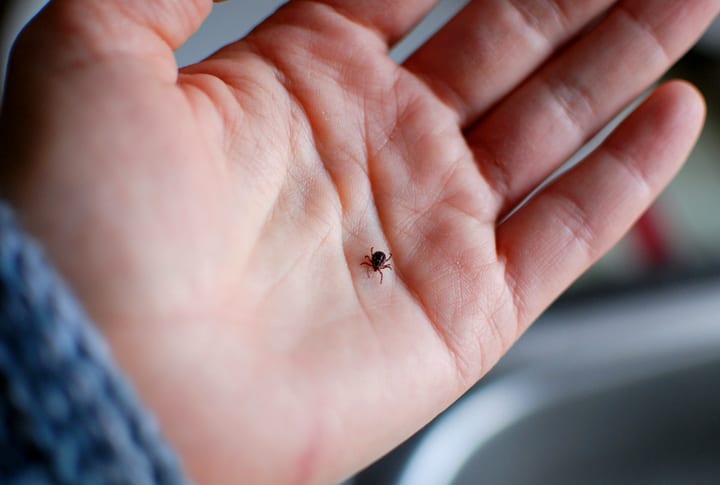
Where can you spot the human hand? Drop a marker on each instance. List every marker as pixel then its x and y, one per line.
pixel 213 221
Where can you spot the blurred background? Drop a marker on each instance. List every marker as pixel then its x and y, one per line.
pixel 619 382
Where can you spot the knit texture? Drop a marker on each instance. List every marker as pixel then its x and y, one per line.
pixel 67 415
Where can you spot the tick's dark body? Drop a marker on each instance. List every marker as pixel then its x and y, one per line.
pixel 377 261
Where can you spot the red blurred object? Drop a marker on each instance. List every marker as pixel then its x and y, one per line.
pixel 652 238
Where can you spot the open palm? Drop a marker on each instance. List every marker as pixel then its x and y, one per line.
pixel 214 222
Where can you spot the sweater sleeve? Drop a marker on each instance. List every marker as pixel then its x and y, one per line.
pixel 67 415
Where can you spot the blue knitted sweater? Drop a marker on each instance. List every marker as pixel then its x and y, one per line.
pixel 67 415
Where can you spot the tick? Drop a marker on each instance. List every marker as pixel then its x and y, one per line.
pixel 377 261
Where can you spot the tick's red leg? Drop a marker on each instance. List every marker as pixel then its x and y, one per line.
pixel 368 263
pixel 389 258
pixel 381 275
pixel 367 271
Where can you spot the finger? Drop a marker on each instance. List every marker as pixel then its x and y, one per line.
pixel 560 233
pixel 490 47
pixel 546 120
pixel 390 19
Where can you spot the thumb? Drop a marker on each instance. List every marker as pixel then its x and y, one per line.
pixel 71 33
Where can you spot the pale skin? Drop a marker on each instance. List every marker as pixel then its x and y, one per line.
pixel 213 221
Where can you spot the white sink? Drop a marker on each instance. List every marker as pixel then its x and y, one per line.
pixel 619 391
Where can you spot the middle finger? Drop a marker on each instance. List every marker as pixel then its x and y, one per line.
pixel 491 46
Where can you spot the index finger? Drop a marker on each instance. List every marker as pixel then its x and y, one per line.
pixel 390 19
